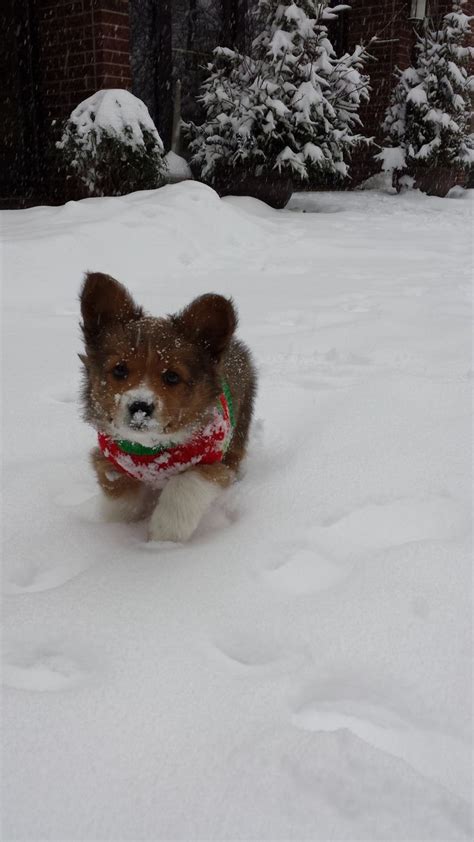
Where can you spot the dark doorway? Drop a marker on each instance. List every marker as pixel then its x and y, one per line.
pixel 151 60
pixel 19 106
pixel 174 39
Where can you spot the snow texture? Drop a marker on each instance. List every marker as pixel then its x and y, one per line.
pixel 301 670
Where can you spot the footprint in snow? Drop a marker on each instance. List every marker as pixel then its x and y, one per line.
pixel 432 753
pixel 63 397
pixel 33 577
pixel 42 671
pixel 328 553
pixel 380 526
pixel 256 649
pixel 32 567
pixel 305 570
pixel 248 652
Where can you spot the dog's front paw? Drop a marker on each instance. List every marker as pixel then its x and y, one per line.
pixel 182 504
pixel 166 526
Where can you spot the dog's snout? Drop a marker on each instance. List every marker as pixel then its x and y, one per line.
pixel 141 406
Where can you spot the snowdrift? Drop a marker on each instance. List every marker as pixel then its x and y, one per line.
pixel 301 669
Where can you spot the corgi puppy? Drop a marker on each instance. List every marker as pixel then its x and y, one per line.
pixel 171 399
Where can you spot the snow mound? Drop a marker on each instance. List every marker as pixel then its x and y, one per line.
pixel 177 167
pixel 379 181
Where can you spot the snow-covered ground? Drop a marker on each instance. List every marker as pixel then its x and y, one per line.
pixel 302 669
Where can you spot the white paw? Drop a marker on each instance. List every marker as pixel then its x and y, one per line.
pixel 183 502
pixel 164 526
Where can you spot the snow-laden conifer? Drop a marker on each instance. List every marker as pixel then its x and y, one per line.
pixel 428 122
pixel 291 105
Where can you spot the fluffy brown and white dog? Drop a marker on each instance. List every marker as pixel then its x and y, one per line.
pixel 171 399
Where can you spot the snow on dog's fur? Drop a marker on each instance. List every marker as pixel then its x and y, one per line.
pixel 155 380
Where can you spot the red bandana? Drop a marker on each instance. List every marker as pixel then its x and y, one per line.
pixel 155 465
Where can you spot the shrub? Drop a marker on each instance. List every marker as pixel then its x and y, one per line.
pixel 111 145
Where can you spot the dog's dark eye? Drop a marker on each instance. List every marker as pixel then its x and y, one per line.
pixel 171 378
pixel 120 371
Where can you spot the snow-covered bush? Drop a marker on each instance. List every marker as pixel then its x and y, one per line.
pixel 427 124
pixel 290 106
pixel 111 145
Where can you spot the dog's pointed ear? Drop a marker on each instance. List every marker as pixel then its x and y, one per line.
pixel 209 320
pixel 103 302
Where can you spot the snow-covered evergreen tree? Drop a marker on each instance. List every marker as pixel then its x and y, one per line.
pixel 291 105
pixel 428 121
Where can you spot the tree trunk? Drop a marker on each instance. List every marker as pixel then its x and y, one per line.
pixel 176 134
pixel 164 69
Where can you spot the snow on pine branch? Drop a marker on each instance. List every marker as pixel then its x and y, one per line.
pixel 271 109
pixel 428 122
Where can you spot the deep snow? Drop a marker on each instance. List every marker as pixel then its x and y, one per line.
pixel 302 669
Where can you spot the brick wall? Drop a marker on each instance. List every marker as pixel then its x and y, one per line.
pixel 20 163
pixel 387 21
pixel 83 46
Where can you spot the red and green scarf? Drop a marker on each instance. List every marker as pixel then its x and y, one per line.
pixel 154 465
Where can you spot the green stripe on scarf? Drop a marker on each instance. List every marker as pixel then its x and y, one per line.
pixel 228 397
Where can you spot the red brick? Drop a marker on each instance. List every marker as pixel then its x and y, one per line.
pixel 64 6
pixel 48 50
pixel 120 6
pixel 78 37
pixel 69 21
pixel 118 57
pixel 106 18
pixel 110 42
pixel 67 74
pixel 77 86
pixel 116 34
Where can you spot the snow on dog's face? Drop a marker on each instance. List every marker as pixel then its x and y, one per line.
pixel 150 380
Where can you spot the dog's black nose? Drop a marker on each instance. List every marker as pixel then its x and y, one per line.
pixel 141 406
